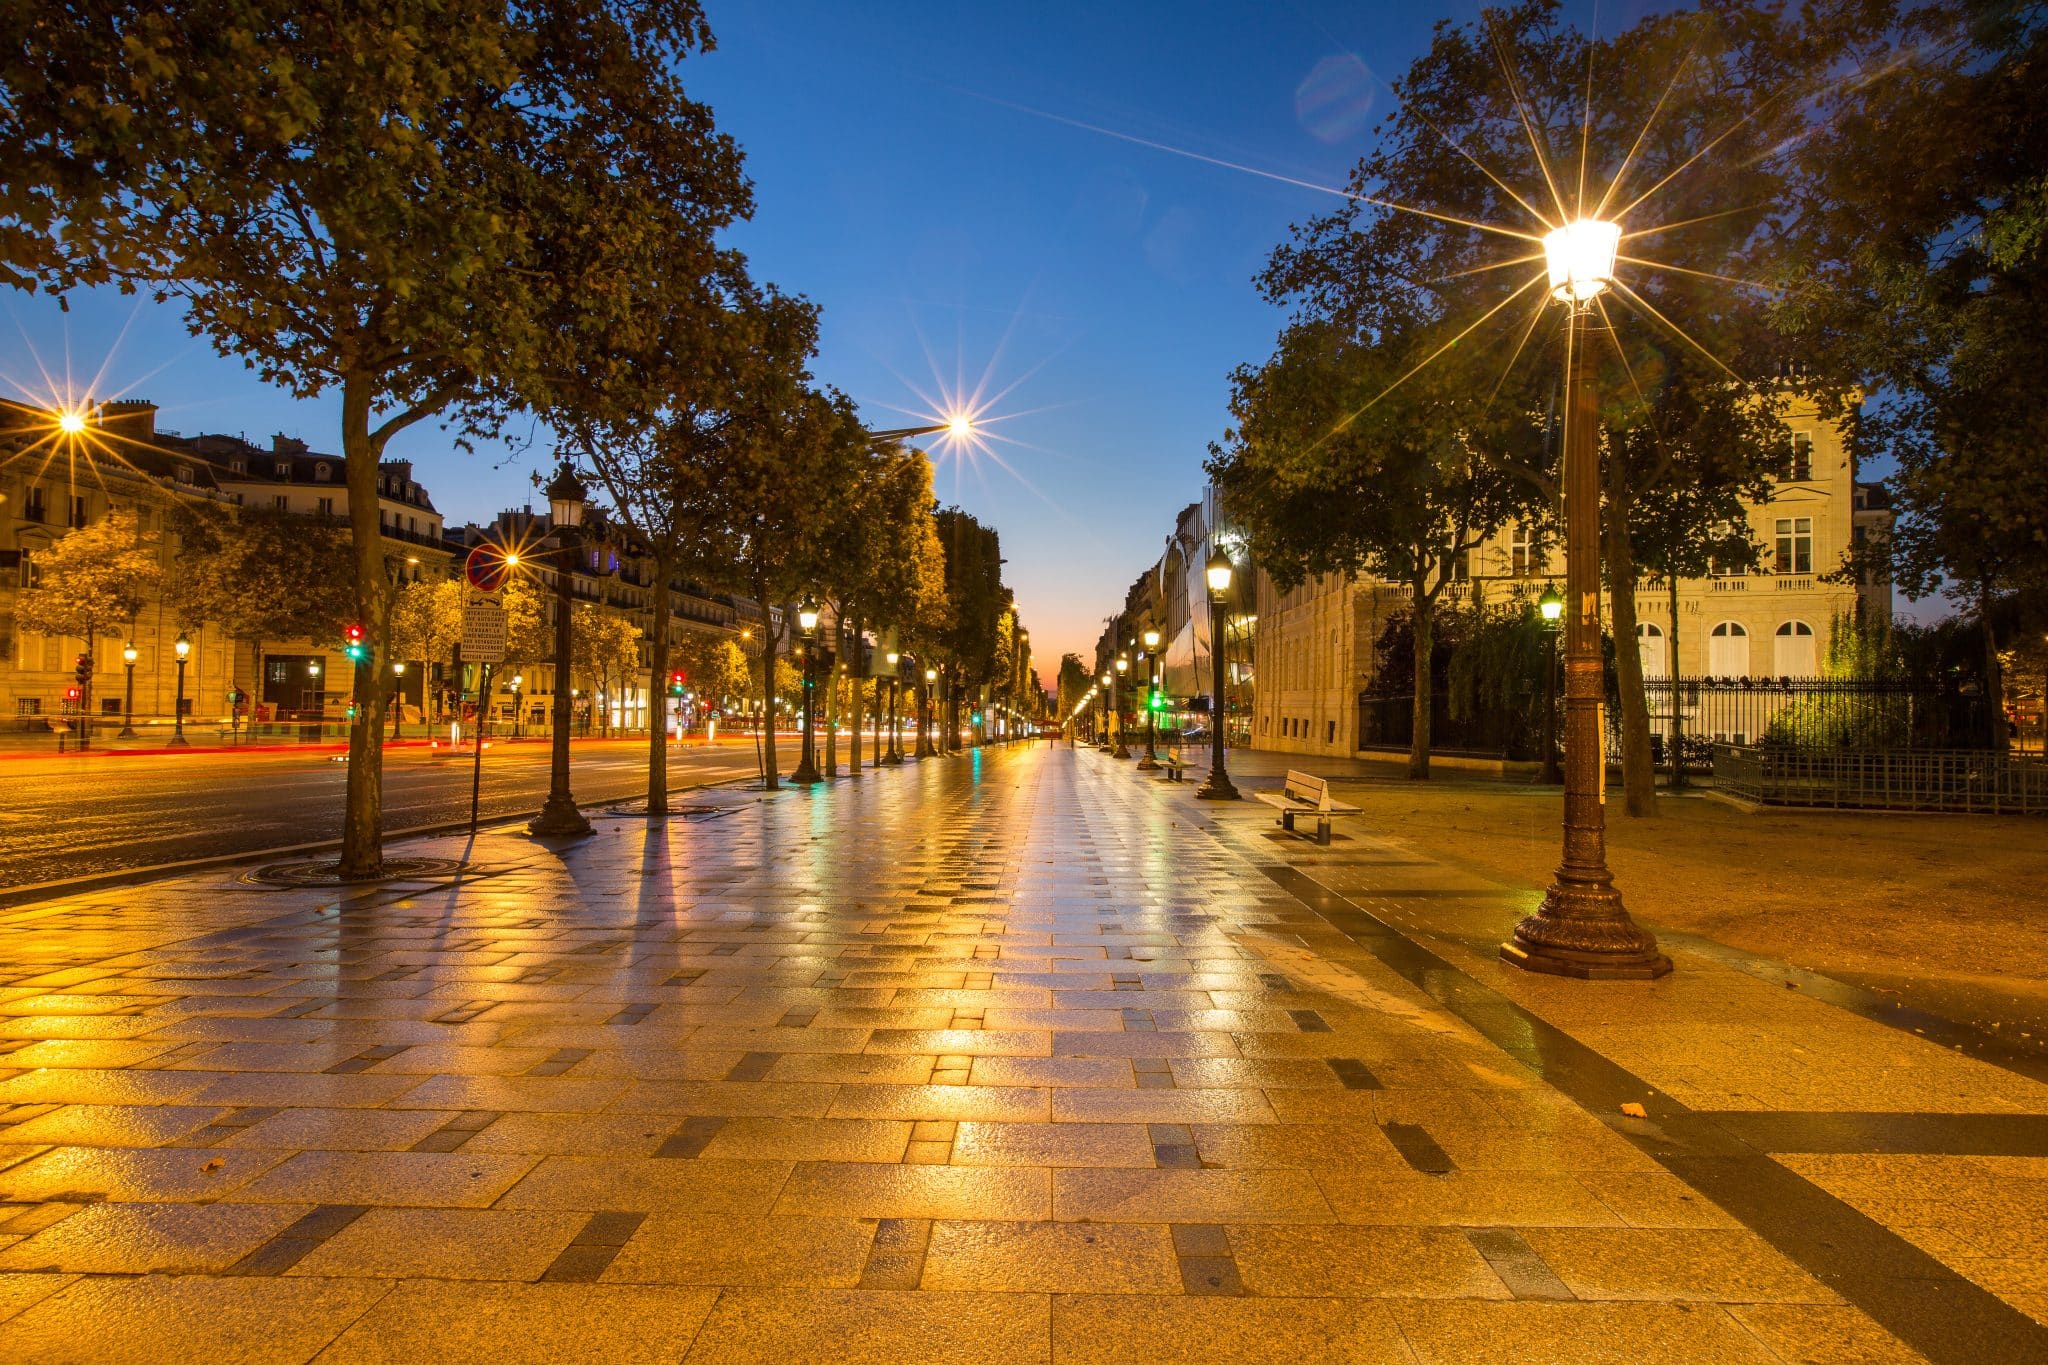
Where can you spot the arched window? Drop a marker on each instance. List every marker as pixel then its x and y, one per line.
pixel 1728 651
pixel 1650 645
pixel 1794 653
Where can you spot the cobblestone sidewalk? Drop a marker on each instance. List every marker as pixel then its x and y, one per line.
pixel 1013 1056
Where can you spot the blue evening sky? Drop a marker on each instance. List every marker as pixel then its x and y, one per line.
pixel 915 179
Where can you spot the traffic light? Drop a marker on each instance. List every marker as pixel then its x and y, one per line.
pixel 1155 700
pixel 675 683
pixel 354 645
pixel 71 694
pixel 81 673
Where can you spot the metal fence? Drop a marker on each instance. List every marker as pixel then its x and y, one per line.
pixel 1808 714
pixel 1388 722
pixel 1963 780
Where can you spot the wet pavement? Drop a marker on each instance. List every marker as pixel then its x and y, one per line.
pixel 1009 1056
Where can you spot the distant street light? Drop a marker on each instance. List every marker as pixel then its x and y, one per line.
pixel 807 764
pixel 1150 762
pixel 397 698
pixel 128 657
pixel 183 648
pixel 1218 571
pixel 1582 928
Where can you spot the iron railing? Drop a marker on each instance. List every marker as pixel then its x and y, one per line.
pixel 1961 780
pixel 1829 714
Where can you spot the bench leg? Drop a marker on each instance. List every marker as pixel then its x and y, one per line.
pixel 1287 821
pixel 1323 830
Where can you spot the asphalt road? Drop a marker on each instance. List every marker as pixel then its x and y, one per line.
pixel 73 816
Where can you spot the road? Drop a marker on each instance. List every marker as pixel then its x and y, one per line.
pixel 78 816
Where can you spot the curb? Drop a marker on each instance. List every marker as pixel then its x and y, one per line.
pixel 29 893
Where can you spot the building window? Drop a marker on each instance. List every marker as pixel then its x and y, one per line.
pixel 281 502
pixel 32 503
pixel 77 513
pixel 184 473
pixel 1799 465
pixel 1332 737
pixel 283 469
pixel 238 465
pixel 1793 651
pixel 28 570
pixel 326 506
pixel 1525 555
pixel 1795 545
pixel 1728 651
pixel 110 706
pixel 28 706
pixel 1650 648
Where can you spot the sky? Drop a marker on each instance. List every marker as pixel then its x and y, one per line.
pixel 921 173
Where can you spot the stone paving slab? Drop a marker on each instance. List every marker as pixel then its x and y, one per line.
pixel 1016 1056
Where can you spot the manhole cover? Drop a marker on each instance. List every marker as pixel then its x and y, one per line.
pixel 327 872
pixel 638 811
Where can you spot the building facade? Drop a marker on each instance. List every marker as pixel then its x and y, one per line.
pixel 1315 643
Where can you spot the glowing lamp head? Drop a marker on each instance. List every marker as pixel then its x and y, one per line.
pixel 1551 604
pixel 1581 258
pixel 959 425
pixel 1218 571
pixel 931 675
pixel 183 647
pixel 807 615
pixel 130 655
pixel 894 658
pixel 71 423
pixel 1151 639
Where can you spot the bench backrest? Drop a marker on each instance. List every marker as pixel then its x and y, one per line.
pixel 1308 787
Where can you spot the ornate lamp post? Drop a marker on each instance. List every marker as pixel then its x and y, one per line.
pixel 1551 606
pixel 518 712
pixel 128 657
pixel 1218 572
pixel 1108 700
pixel 924 715
pixel 183 649
pixel 1150 762
pixel 893 754
pixel 1123 666
pixel 559 817
pixel 807 763
pixel 1582 929
pixel 397 697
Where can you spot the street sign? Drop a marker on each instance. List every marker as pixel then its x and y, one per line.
pixel 483 633
pixel 486 568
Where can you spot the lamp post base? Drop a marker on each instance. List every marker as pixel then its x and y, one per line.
pixel 1148 764
pixel 559 819
pixel 1218 788
pixel 177 742
pixel 125 732
pixel 806 775
pixel 1582 931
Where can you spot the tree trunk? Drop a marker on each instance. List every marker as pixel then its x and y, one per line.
pixel 858 696
pixel 950 741
pixel 1422 623
pixel 770 779
pixel 362 835
pixel 1994 678
pixel 657 695
pixel 1638 769
pixel 1677 708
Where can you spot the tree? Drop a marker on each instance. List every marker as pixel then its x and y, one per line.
pixel 1920 261
pixel 94 579
pixel 715 667
pixel 1325 480
pixel 977 602
pixel 426 622
pixel 438 208
pixel 661 435
pixel 259 575
pixel 604 652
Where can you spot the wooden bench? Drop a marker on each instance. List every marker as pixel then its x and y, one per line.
pixel 1306 794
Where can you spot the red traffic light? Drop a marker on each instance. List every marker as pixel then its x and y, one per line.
pixel 71 694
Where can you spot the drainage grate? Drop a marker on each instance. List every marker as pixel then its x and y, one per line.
pixel 327 872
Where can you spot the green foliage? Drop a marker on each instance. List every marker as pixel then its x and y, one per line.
pixel 426 620
pixel 260 574
pixel 977 601
pixel 95 579
pixel 715 667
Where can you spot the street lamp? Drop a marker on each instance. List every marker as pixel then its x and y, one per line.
pixel 183 648
pixel 1218 572
pixel 518 716
pixel 1123 666
pixel 925 700
pixel 893 754
pixel 807 765
pixel 1582 929
pixel 1102 688
pixel 1551 607
pixel 397 698
pixel 567 496
pixel 1150 762
pixel 128 657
